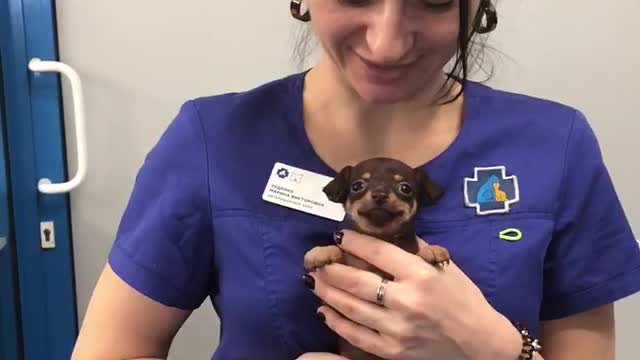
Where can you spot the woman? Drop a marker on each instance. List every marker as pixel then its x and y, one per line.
pixel 549 255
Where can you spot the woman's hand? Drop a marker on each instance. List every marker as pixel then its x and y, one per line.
pixel 428 312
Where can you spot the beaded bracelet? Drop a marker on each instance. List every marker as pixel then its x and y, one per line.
pixel 530 346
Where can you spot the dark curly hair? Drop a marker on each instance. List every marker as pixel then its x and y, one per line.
pixel 466 45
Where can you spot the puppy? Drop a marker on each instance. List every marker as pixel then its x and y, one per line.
pixel 381 197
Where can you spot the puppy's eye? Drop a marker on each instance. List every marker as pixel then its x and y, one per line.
pixel 405 189
pixel 357 186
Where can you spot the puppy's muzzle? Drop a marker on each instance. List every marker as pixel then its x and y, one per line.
pixel 379 197
pixel 380 207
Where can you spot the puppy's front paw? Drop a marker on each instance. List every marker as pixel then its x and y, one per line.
pixel 321 256
pixel 435 255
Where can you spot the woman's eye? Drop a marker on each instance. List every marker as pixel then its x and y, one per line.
pixel 405 189
pixel 357 186
pixel 438 4
pixel 430 4
pixel 355 2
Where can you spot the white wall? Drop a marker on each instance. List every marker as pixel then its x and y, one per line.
pixel 139 60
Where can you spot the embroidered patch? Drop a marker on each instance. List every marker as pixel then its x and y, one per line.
pixel 491 191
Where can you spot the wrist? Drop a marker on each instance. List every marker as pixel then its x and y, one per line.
pixel 507 341
pixel 495 339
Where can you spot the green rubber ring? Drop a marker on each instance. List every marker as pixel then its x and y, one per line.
pixel 511 234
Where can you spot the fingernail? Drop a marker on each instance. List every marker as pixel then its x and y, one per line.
pixel 337 237
pixel 321 316
pixel 309 281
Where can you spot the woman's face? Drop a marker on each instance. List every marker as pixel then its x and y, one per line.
pixel 388 50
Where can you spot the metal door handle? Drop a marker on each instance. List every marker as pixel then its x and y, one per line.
pixel 3 243
pixel 45 185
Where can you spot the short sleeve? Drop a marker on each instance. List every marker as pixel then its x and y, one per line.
pixel 593 258
pixel 163 245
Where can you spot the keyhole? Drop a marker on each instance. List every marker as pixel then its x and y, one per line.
pixel 47 234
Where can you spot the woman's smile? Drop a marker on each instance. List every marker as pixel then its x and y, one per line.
pixel 384 73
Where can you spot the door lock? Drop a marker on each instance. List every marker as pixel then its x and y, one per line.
pixel 47 235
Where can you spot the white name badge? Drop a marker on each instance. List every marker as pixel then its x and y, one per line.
pixel 301 190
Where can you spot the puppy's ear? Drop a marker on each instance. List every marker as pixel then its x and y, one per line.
pixel 429 191
pixel 338 188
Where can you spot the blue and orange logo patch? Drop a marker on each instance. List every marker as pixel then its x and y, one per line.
pixel 491 191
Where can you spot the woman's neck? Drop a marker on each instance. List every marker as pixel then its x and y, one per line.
pixel 344 129
pixel 328 89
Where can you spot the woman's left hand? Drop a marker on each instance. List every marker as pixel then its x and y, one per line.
pixel 428 313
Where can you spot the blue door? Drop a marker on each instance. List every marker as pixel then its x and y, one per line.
pixel 37 293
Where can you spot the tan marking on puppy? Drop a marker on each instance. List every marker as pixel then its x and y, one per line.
pixel 393 204
pixel 321 256
pixel 398 177
pixel 434 254
pixel 366 176
pixel 409 214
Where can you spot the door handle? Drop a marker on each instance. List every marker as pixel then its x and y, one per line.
pixel 3 243
pixel 45 185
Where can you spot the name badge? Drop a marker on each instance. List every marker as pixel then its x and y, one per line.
pixel 301 190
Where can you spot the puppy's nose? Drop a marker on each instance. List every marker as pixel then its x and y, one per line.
pixel 380 197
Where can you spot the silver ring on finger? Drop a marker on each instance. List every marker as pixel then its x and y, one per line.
pixel 382 288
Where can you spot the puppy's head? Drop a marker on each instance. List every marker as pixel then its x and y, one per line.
pixel 382 194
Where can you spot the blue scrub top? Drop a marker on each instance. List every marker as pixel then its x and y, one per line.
pixel 196 225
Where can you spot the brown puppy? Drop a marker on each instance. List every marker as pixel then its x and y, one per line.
pixel 381 197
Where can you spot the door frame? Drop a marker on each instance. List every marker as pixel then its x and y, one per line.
pixel 36 146
pixel 10 329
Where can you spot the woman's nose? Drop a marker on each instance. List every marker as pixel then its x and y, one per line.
pixel 388 37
